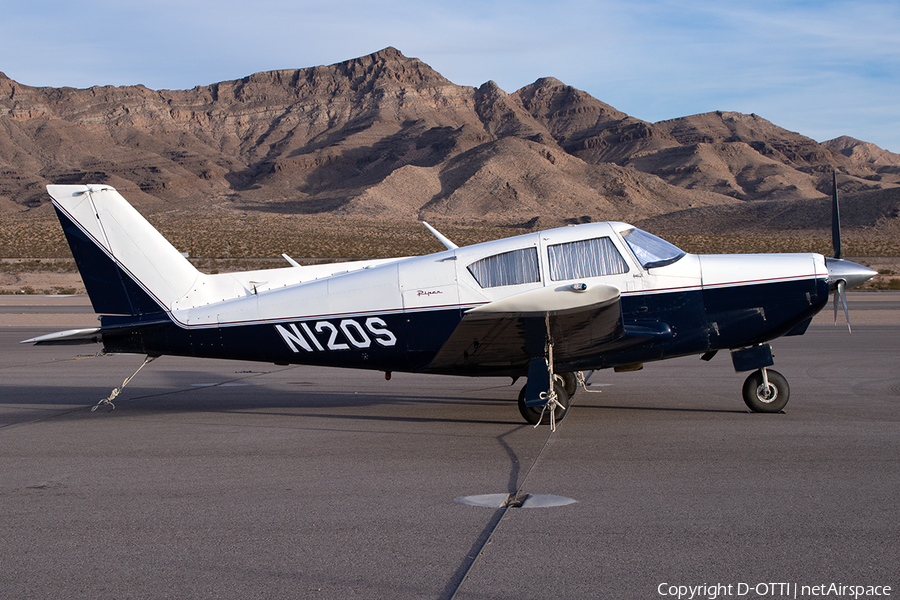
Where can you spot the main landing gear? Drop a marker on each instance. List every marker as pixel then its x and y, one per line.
pixel 545 397
pixel 540 415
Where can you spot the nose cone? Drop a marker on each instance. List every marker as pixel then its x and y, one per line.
pixel 849 272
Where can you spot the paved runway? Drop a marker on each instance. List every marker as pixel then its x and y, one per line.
pixel 248 480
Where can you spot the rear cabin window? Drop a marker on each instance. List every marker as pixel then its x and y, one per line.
pixel 595 257
pixel 509 268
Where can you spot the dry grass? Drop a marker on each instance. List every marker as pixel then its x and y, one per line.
pixel 259 235
pixel 41 237
pixel 311 236
pixel 222 241
pixel 235 235
pixel 15 266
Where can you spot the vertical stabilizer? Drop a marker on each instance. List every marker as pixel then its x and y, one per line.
pixel 127 266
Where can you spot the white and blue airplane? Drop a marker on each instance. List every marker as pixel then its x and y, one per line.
pixel 546 306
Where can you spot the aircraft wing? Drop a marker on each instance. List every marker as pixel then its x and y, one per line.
pixel 511 331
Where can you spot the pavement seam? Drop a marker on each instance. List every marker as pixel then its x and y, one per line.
pixel 504 510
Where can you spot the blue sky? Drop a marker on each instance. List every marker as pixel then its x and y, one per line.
pixel 822 68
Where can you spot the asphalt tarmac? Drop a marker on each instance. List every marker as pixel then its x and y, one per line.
pixel 248 480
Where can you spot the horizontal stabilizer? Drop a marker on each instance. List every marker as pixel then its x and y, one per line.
pixel 68 337
pixel 109 325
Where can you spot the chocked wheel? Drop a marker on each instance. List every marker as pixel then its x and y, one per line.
pixel 532 414
pixel 760 398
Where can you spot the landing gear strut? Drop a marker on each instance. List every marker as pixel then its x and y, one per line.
pixel 766 391
pixel 545 397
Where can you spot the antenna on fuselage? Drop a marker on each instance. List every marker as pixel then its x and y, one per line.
pixel 441 237
pixel 293 262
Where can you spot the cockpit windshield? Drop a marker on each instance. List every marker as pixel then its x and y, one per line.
pixel 650 250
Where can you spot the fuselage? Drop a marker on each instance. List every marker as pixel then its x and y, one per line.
pixel 395 314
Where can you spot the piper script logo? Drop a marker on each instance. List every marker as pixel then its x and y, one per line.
pixel 346 334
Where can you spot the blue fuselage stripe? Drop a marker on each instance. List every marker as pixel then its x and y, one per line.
pixel 701 320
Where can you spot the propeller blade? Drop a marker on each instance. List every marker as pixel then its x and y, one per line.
pixel 841 292
pixel 835 216
pixel 836 294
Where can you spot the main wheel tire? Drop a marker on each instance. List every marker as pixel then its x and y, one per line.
pixel 532 414
pixel 758 398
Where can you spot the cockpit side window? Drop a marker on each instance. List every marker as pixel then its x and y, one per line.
pixel 650 250
pixel 510 268
pixel 595 257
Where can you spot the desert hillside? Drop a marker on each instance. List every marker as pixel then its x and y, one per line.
pixel 384 138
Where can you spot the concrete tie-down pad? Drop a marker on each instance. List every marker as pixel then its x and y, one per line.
pixel 511 500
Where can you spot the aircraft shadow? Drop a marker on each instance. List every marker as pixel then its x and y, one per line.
pixel 661 409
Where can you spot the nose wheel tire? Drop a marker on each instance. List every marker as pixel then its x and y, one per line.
pixel 532 414
pixel 766 399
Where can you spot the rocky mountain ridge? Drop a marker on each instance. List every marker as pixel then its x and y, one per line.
pixel 385 136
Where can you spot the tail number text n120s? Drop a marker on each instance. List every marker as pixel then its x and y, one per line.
pixel 346 334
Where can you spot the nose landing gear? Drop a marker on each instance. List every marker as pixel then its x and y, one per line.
pixel 766 391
